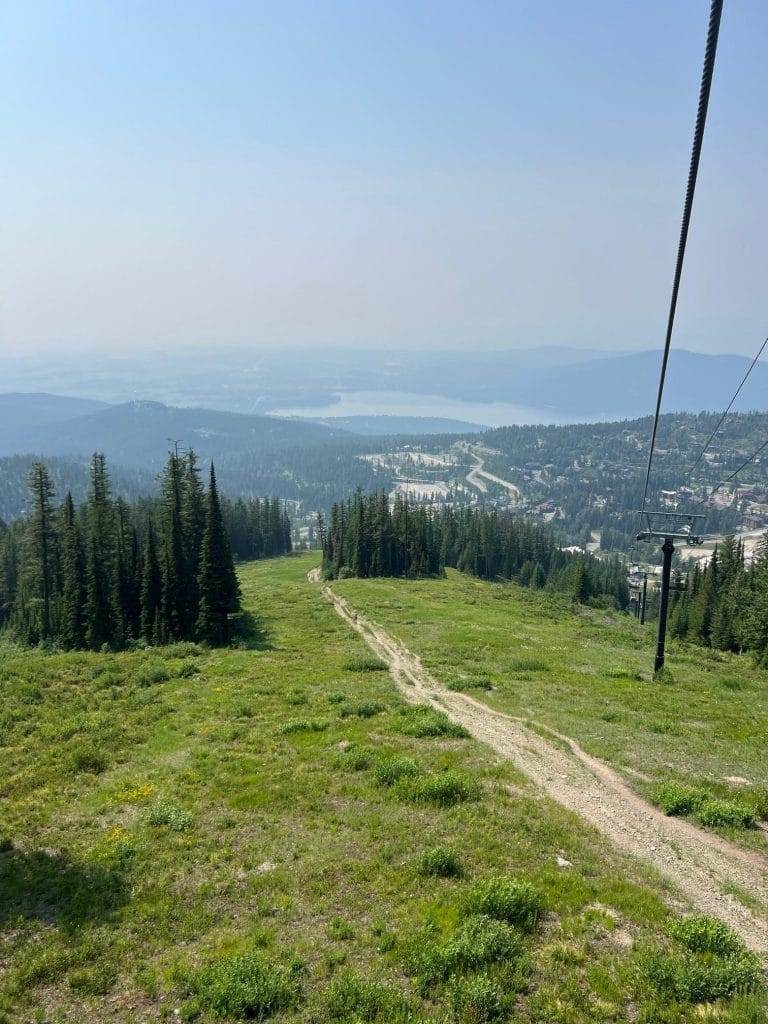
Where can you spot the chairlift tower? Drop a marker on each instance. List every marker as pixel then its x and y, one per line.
pixel 668 527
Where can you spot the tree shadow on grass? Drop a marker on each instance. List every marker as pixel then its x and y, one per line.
pixel 53 887
pixel 250 633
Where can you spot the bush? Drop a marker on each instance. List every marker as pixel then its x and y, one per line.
pixel 296 698
pixel 88 759
pixel 360 758
pixel 390 770
pixel 477 1000
pixel 444 789
pixel 365 664
pixel 506 899
pixel 528 665
pixel 303 725
pixel 702 977
pixel 176 819
pixel 355 999
pixel 423 722
pixel 702 934
pixel 724 814
pixel 462 685
pixel 188 669
pixel 152 674
pixel 246 985
pixel 674 798
pixel 365 709
pixel 440 862
pixel 479 942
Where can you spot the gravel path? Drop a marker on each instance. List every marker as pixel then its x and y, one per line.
pixel 705 868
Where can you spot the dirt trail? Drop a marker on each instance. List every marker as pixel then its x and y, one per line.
pixel 705 868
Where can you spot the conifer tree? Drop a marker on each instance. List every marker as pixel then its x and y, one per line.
pixel 176 582
pixel 151 591
pixel 219 590
pixel 193 523
pixel 99 558
pixel 40 561
pixel 72 562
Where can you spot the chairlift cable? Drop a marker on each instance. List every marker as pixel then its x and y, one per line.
pixel 715 13
pixel 722 419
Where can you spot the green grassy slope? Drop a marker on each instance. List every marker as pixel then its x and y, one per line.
pixel 588 674
pixel 193 834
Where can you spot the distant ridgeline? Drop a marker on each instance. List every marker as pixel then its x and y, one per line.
pixel 368 537
pixel 111 573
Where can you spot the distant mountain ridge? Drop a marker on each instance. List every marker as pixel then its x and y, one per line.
pixel 138 434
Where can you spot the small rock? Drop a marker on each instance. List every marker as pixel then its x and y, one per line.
pixel 563 863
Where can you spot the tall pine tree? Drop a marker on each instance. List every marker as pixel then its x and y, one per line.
pixel 219 590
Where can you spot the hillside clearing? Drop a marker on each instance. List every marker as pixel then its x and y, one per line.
pixel 272 829
pixel 705 868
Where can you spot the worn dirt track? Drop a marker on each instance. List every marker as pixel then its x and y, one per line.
pixel 706 869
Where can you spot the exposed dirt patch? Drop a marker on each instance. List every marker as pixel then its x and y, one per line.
pixel 705 868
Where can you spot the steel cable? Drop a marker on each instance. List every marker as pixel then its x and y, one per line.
pixel 713 32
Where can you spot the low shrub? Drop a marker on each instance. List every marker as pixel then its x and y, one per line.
pixel 339 929
pixel 152 673
pixel 479 942
pixel 365 664
pixel 463 685
pixel 246 985
pixel 336 697
pixel 440 862
pixel 702 934
pixel 423 722
pixel 724 814
pixel 303 725
pixel 296 698
pixel 477 1000
pixel 528 665
pixel 360 758
pixel 390 770
pixel 93 981
pixel 169 816
pixel 87 758
pixel 444 789
pixel 350 998
pixel 363 709
pixel 702 977
pixel 675 798
pixel 506 899
pixel 188 669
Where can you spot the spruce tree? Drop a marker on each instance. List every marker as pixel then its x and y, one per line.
pixel 219 590
pixel 193 523
pixel 99 557
pixel 40 561
pixel 174 613
pixel 151 591
pixel 72 562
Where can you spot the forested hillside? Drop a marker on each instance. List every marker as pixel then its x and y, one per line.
pixel 368 537
pixel 106 573
pixel 67 474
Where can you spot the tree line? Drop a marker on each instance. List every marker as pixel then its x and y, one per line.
pixel 725 604
pixel 106 573
pixel 369 536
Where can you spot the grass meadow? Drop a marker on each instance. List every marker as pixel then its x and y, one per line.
pixel 269 832
pixel 703 727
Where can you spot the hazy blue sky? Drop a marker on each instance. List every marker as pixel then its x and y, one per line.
pixel 383 174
